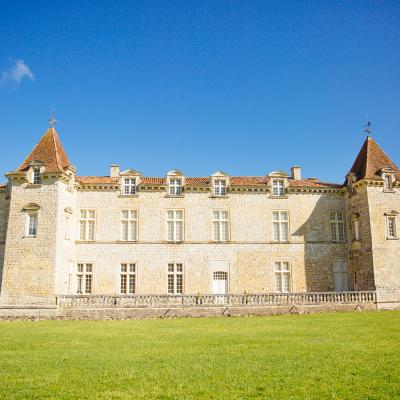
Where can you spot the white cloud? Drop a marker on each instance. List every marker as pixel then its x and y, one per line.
pixel 16 73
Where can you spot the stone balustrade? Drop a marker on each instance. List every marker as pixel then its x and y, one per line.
pixel 211 300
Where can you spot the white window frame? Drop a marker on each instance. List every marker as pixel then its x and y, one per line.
pixel 220 218
pixel 391 226
pixel 36 176
pixel 175 186
pixel 283 276
pixel 86 222
pixel 174 222
pixel 32 223
pixel 220 187
pixel 278 187
pixel 84 278
pixel 130 186
pixel 175 278
pixel 388 182
pixel 338 226
pixel 128 278
pixel 131 222
pixel 281 222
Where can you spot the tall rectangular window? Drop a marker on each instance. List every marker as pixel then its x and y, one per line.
pixel 129 186
pixel 278 187
pixel 337 226
pixel 388 182
pixel 32 224
pixel 175 278
pixel 220 226
pixel 280 221
pixel 391 226
pixel 128 278
pixel 2 228
pixel 86 225
pixel 356 229
pixel 129 224
pixel 175 187
pixel 220 187
pixel 36 176
pixel 67 226
pixel 84 278
pixel 282 276
pixel 175 222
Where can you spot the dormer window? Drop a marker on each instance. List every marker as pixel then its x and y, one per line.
pixel 220 187
pixel 129 186
pixel 278 187
pixel 175 187
pixel 36 180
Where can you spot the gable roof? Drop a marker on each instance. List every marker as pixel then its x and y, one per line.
pixel 370 160
pixel 49 151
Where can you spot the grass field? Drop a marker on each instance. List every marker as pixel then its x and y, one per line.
pixel 326 356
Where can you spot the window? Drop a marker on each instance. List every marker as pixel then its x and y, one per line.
pixel 32 224
pixel 175 187
pixel 220 226
pixel 175 225
pixel 280 226
pixel 391 226
pixel 36 176
pixel 128 278
pixel 220 187
pixel 278 187
pixel 337 226
pixel 282 276
pixel 84 278
pixel 340 276
pixel 86 225
pixel 129 186
pixel 129 225
pixel 388 182
pixel 356 229
pixel 67 226
pixel 2 228
pixel 175 278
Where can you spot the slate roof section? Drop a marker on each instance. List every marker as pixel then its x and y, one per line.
pixel 370 160
pixel 50 151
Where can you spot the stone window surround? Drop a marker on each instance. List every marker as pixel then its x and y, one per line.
pixel 135 219
pixel 220 220
pixel 31 210
pixel 337 222
pixel 174 273
pixel 283 272
pixel 128 273
pixel 280 221
pixel 174 221
pixel 392 215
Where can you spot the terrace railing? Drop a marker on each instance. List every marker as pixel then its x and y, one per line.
pixel 212 300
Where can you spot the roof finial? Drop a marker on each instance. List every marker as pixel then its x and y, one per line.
pixel 52 120
pixel 367 126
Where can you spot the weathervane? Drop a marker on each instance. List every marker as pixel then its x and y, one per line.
pixel 367 126
pixel 52 120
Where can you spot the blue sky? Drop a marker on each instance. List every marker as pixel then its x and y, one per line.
pixel 246 87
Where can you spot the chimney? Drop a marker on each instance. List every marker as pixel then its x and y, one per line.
pixel 296 173
pixel 114 170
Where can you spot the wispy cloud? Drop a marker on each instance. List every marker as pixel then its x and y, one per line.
pixel 16 73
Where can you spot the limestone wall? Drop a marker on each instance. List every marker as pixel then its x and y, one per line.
pixel 248 258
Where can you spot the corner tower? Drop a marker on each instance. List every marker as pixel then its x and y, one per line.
pixel 41 192
pixel 373 206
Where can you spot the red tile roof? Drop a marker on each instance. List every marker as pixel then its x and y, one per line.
pixel 370 160
pixel 204 181
pixel 50 151
pixel 97 179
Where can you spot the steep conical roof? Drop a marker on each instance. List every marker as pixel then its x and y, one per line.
pixel 50 151
pixel 370 160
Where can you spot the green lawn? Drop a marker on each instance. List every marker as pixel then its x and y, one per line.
pixel 325 356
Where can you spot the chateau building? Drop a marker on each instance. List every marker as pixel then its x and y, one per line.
pixel 125 234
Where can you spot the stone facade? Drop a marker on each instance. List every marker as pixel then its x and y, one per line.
pixel 34 269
